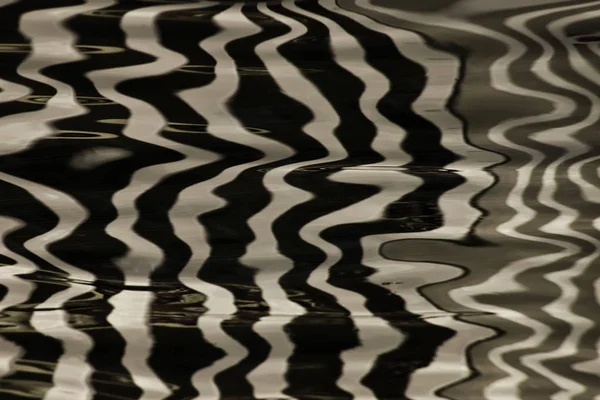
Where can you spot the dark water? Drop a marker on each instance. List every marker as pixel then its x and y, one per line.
pixel 368 199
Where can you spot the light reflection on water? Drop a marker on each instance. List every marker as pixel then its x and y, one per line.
pixel 300 200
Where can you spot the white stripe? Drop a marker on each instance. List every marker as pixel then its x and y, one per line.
pixel 51 44
pixel 562 137
pixel 204 379
pixel 505 280
pixel 211 102
pixel 72 371
pixel 441 70
pixel 268 379
pixel 55 323
pixel 375 335
pixel 145 124
pixel 590 192
pixel 11 91
pixel 130 318
pixel 18 290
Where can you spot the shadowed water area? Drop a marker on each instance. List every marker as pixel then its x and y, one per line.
pixel 299 199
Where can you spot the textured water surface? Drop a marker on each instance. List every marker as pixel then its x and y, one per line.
pixel 299 199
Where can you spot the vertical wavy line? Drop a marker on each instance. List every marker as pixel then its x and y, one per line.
pixel 590 192
pixel 561 308
pixel 505 281
pixel 145 124
pixel 442 71
pixel 72 370
pixel 10 91
pixel 130 318
pixel 53 44
pixel 18 290
pixel 55 323
pixel 210 101
pixel 375 335
pixel 284 197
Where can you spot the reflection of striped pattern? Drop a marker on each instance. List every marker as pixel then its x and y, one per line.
pixel 555 356
pixel 294 220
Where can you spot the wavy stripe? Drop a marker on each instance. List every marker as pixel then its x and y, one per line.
pixel 284 198
pixel 18 290
pixel 11 91
pixel 53 44
pixel 459 214
pixel 561 307
pixel 375 335
pixel 55 323
pixel 505 280
pixel 589 191
pixel 210 101
pixel 130 318
pixel 145 124
pixel 72 370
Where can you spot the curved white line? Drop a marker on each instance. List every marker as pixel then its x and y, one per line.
pixel 144 124
pixel 268 376
pixel 505 281
pixel 11 91
pixel 198 199
pixel 130 318
pixel 589 191
pixel 53 44
pixel 442 70
pixel 376 335
pixel 72 370
pixel 561 308
pixel 131 308
pixel 55 323
pixel 18 290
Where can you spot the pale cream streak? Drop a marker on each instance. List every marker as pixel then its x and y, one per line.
pixel 461 214
pixel 145 124
pixel 589 191
pixel 55 323
pixel 505 280
pixel 130 319
pixel 349 54
pixel 131 308
pixel 580 64
pixel 561 307
pixel 52 44
pixel 72 371
pixel 442 71
pixel 92 158
pixel 263 253
pixel 375 335
pixel 18 290
pixel 204 379
pixel 211 101
pixel 10 91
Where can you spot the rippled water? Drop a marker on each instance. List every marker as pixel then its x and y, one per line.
pixel 299 199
